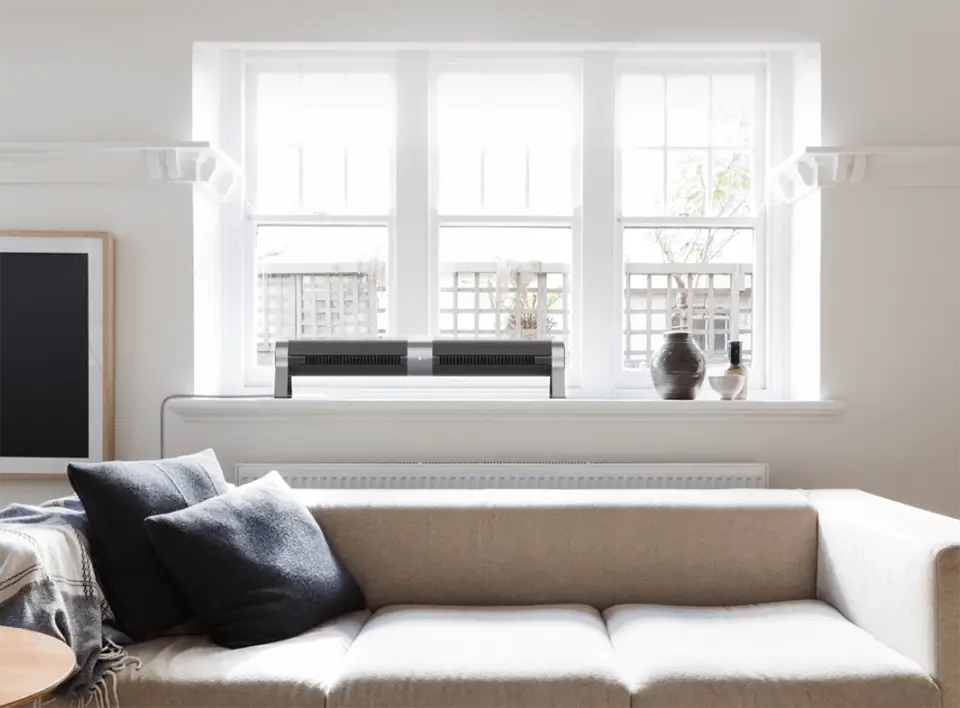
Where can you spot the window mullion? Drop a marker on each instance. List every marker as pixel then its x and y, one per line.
pixel 778 280
pixel 600 271
pixel 237 324
pixel 411 275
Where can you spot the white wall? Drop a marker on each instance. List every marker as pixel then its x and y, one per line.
pixel 891 75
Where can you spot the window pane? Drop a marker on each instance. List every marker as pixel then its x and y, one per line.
pixel 505 142
pixel 319 283
pixel 278 108
pixel 551 109
pixel 326 108
pixel 368 180
pixel 324 179
pixel 734 109
pixel 338 181
pixel 505 283
pixel 695 279
pixel 551 181
pixel 353 110
pixel 461 178
pixel 641 182
pixel 278 178
pixel 688 111
pixel 344 126
pixel 698 110
pixel 686 182
pixel 505 180
pixel 371 112
pixel 731 190
pixel 641 110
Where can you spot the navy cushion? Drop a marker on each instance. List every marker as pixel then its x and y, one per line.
pixel 117 497
pixel 253 564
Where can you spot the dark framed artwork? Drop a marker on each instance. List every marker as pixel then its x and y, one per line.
pixel 56 351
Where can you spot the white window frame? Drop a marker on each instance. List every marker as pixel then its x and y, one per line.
pixel 413 273
pixel 256 376
pixel 505 63
pixel 672 66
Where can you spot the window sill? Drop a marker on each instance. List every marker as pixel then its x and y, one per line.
pixel 266 408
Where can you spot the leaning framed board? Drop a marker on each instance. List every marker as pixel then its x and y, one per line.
pixel 56 351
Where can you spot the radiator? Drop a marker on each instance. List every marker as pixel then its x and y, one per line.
pixel 511 475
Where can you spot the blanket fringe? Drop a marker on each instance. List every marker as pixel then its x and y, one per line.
pixel 104 692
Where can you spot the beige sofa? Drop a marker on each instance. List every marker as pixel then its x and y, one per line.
pixel 590 598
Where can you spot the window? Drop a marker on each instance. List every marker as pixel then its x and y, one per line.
pixel 690 156
pixel 600 198
pixel 321 140
pixel 319 282
pixel 506 149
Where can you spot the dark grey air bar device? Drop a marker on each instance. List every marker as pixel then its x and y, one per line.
pixel 400 357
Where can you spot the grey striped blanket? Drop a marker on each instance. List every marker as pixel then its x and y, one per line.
pixel 48 584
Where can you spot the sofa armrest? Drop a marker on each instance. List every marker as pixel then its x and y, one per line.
pixel 894 570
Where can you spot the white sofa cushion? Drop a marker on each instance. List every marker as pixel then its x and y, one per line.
pixel 191 671
pixel 458 657
pixel 781 654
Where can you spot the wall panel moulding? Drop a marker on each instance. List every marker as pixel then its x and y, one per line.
pixel 198 163
pixel 889 166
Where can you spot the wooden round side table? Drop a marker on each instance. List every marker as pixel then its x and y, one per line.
pixel 31 665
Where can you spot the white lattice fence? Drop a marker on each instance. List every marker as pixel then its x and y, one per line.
pixel 490 301
pixel 319 301
pixel 714 301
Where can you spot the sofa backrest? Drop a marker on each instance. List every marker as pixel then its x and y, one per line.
pixel 597 547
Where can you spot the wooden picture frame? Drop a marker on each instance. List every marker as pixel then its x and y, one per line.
pixel 98 246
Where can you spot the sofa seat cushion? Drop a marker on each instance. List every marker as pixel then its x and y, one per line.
pixel 458 657
pixel 192 671
pixel 780 654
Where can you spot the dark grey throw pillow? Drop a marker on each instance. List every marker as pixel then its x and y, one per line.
pixel 117 497
pixel 253 564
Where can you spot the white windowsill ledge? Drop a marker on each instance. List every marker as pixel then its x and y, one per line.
pixel 253 409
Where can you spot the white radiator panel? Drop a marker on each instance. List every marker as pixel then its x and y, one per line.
pixel 511 475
